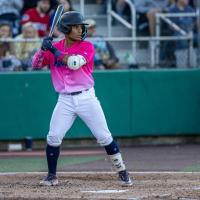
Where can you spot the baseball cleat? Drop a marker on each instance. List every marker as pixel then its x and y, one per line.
pixel 50 180
pixel 124 178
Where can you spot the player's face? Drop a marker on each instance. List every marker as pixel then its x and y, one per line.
pixel 4 31
pixel 76 33
pixel 44 6
pixel 91 31
pixel 29 32
pixel 184 2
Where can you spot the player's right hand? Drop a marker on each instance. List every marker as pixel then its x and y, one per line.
pixel 47 43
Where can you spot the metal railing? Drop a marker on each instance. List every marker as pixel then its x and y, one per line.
pixel 132 26
pixel 165 17
pixel 150 60
pixel 120 39
pixel 154 42
pixel 82 7
pixel 112 14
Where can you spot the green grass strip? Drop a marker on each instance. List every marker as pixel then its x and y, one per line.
pixel 192 168
pixel 36 164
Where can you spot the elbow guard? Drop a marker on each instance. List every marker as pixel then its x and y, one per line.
pixel 76 61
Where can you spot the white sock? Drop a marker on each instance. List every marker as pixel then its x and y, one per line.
pixel 117 162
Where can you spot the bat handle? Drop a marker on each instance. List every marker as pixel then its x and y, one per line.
pixel 50 34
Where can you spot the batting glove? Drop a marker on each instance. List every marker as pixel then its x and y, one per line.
pixel 47 45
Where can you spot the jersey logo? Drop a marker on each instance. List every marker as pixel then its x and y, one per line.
pixel 25 17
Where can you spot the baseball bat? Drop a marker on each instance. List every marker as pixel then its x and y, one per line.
pixel 56 19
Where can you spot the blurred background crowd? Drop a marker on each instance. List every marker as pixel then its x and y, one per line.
pixel 24 20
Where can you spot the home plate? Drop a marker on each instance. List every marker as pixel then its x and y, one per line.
pixel 196 188
pixel 105 191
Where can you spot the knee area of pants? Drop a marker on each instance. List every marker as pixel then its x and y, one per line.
pixel 53 140
pixel 105 141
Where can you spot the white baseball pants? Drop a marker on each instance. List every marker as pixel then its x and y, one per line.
pixel 88 108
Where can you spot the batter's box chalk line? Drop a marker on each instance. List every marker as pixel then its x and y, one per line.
pixel 134 198
pixel 187 188
pixel 105 191
pixel 105 172
pixel 187 199
pixel 196 188
pixel 156 196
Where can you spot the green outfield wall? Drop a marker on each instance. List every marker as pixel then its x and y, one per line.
pixel 136 103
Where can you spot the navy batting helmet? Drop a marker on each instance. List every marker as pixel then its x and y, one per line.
pixel 70 18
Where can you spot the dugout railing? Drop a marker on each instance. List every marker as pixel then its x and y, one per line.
pixel 150 55
pixel 132 26
pixel 154 43
pixel 166 17
pixel 147 59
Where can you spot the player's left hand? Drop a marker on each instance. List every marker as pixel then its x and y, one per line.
pixel 47 43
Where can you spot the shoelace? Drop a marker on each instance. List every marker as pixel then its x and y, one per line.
pixel 50 177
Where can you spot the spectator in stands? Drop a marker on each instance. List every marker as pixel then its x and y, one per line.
pixel 28 4
pixel 174 53
pixel 25 50
pixel 100 1
pixel 193 3
pixel 33 3
pixel 39 17
pixel 10 11
pixel 67 7
pixel 105 57
pixel 147 9
pixel 5 32
pixel 95 1
pixel 186 23
pixel 121 7
pixel 8 62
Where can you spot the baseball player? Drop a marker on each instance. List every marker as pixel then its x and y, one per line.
pixel 71 66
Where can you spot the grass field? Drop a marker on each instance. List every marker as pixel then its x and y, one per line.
pixel 37 164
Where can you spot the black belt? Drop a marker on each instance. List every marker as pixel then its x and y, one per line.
pixel 76 93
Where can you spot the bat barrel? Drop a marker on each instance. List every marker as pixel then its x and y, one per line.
pixel 56 19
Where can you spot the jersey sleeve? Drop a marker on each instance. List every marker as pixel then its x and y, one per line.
pixel 40 59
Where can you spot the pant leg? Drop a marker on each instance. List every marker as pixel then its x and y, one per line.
pixel 61 121
pixel 90 111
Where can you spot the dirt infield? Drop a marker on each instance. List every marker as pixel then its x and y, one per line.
pixel 100 185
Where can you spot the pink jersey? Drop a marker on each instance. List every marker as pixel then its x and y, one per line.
pixel 64 79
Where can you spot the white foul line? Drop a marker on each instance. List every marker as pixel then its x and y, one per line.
pixel 103 172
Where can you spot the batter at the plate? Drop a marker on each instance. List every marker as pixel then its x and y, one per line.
pixel 71 65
